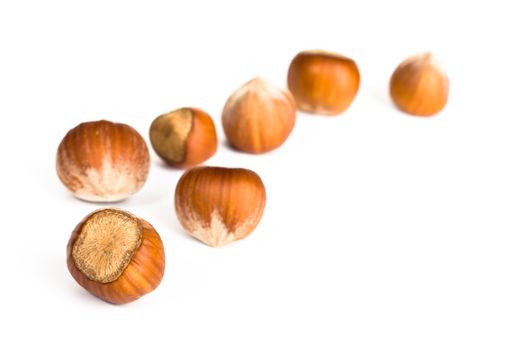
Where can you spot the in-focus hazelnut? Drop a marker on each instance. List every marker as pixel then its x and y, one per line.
pixel 184 137
pixel 219 205
pixel 323 82
pixel 102 161
pixel 258 117
pixel 419 87
pixel 116 256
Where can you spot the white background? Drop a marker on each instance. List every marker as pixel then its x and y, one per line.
pixel 381 230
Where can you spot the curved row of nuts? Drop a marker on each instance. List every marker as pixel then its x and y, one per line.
pixel 119 257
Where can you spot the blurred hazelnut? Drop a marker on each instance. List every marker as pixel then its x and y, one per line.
pixel 323 82
pixel 419 87
pixel 258 117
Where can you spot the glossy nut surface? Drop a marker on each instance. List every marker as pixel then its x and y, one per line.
pixel 184 137
pixel 219 205
pixel 258 117
pixel 419 87
pixel 323 82
pixel 102 161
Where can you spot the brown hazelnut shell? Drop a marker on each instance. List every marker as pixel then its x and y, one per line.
pixel 419 87
pixel 142 275
pixel 219 205
pixel 103 161
pixel 323 82
pixel 184 137
pixel 258 117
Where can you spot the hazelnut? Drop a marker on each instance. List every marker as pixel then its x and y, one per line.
pixel 103 161
pixel 116 256
pixel 219 205
pixel 323 82
pixel 184 138
pixel 258 117
pixel 419 87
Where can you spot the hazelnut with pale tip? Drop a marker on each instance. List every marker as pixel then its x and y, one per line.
pixel 219 205
pixel 258 117
pixel 103 161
